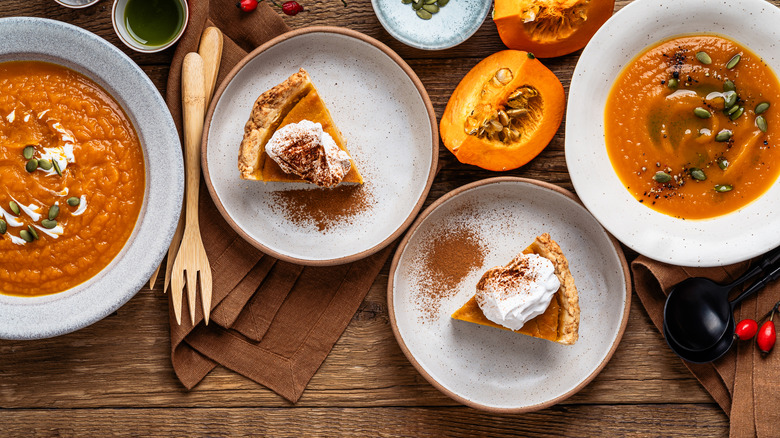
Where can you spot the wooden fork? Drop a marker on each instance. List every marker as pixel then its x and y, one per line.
pixel 192 255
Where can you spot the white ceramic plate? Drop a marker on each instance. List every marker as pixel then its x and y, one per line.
pixel 384 113
pixel 454 23
pixel 727 239
pixel 26 38
pixel 494 369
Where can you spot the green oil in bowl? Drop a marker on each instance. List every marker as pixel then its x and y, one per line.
pixel 154 23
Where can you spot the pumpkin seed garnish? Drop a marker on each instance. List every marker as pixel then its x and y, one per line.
pixel 33 232
pixel 761 107
pixel 673 83
pixel 24 234
pixel 723 163
pixel 44 164
pixel 702 113
pixel 31 165
pixel 732 110
pixel 48 223
pixel 28 152
pixel 74 201
pixel 729 85
pixel 737 113
pixel 406 2
pixel 54 210
pixel 431 8
pixel 662 177
pixel 15 208
pixel 733 61
pixel 761 123
pixel 729 99
pixel 698 174
pixel 56 167
pixel 3 226
pixel 417 4
pixel 722 188
pixel 429 2
pixel 704 58
pixel 442 3
pixel 723 135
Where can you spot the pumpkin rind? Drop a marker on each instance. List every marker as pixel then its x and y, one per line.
pixel 472 94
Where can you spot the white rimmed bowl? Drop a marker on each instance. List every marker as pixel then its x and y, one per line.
pixel 26 38
pixel 723 240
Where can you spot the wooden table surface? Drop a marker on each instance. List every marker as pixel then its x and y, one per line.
pixel 115 377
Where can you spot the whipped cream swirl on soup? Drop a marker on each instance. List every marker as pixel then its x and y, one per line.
pixel 514 294
pixel 304 149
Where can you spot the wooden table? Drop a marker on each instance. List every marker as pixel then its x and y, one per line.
pixel 116 376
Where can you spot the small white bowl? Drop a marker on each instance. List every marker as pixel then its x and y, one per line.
pixel 76 4
pixel 120 27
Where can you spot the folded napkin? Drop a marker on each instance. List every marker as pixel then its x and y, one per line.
pixel 744 382
pixel 273 322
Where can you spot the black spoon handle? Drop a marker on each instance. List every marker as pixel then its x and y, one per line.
pixel 766 262
pixel 758 285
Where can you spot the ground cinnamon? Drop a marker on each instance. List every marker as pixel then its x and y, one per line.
pixel 323 208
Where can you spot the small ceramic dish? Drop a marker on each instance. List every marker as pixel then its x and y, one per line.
pixel 734 237
pixel 125 34
pixel 383 112
pixel 454 23
pixel 51 315
pixel 76 4
pixel 486 224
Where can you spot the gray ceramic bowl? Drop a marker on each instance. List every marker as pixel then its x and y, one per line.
pixel 26 38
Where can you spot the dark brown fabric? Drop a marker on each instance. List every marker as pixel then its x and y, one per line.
pixel 273 322
pixel 744 382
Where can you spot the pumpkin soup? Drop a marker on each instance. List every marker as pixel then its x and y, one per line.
pixel 73 178
pixel 691 126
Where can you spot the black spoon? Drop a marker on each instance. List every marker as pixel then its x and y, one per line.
pixel 697 310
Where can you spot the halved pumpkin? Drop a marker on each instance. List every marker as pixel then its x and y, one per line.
pixel 550 28
pixel 504 112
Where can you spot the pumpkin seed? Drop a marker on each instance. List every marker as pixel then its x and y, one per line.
pixel 729 85
pixel 737 113
pixel 443 3
pixel 24 234
pixel 732 110
pixel 56 167
pixel 429 2
pixel 722 188
pixel 516 112
pixel 761 107
pixel 673 83
pixel 698 174
pixel 32 164
pixel 702 113
pixel 32 232
pixel 406 2
pixel 74 201
pixel 44 164
pixel 54 210
pixel 504 75
pixel 761 123
pixel 417 4
pixel 704 58
pixel 431 8
pixel 48 223
pixel 503 117
pixel 729 99
pixel 733 61
pixel 15 208
pixel 662 177
pixel 3 226
pixel 425 15
pixel 28 152
pixel 724 135
pixel 723 163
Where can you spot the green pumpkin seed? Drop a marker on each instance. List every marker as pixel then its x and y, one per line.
pixel 44 164
pixel 698 174
pixel 28 152
pixel 724 135
pixel 722 188
pixel 733 61
pixel 732 110
pixel 56 167
pixel 704 58
pixel 48 223
pixel 723 163
pixel 673 83
pixel 761 123
pixel 702 113
pixel 74 201
pixel 431 8
pixel 32 164
pixel 729 85
pixel 54 210
pixel 24 234
pixel 15 208
pixel 425 15
pixel 406 2
pixel 662 177
pixel 417 4
pixel 443 3
pixel 429 2
pixel 737 113
pixel 32 232
pixel 729 99
pixel 761 107
pixel 3 226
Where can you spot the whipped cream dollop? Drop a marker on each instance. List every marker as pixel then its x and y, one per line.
pixel 304 149
pixel 514 294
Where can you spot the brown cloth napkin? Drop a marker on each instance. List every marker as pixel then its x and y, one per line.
pixel 744 382
pixel 273 322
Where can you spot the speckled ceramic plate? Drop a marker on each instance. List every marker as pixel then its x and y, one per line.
pixel 385 115
pixel 26 38
pixel 454 23
pixel 738 236
pixel 470 230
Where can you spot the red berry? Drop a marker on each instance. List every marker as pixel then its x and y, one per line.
pixel 766 336
pixel 247 5
pixel 746 329
pixel 291 8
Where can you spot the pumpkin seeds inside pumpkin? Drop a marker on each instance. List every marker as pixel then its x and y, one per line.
pixel 761 123
pixel 697 174
pixel 662 177
pixel 503 76
pixel 704 58
pixel 28 152
pixel 722 188
pixel 702 113
pixel 15 208
pixel 723 135
pixel 733 61
pixel 761 107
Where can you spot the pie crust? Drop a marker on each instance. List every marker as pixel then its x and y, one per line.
pixel 560 322
pixel 293 100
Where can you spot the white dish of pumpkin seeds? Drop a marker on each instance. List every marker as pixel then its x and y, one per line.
pixel 431 24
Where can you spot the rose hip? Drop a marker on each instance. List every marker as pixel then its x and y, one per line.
pixel 767 336
pixel 291 8
pixel 247 5
pixel 746 329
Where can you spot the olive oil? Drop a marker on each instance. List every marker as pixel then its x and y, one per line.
pixel 154 22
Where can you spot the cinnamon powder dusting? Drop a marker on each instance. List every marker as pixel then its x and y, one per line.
pixel 323 208
pixel 444 264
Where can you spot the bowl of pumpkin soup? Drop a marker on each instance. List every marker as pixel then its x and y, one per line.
pixel 92 175
pixel 673 129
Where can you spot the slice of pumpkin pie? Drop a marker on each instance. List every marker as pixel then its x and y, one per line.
pixel 291 137
pixel 533 295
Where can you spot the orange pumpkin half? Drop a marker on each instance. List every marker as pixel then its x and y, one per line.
pixel 550 28
pixel 503 112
